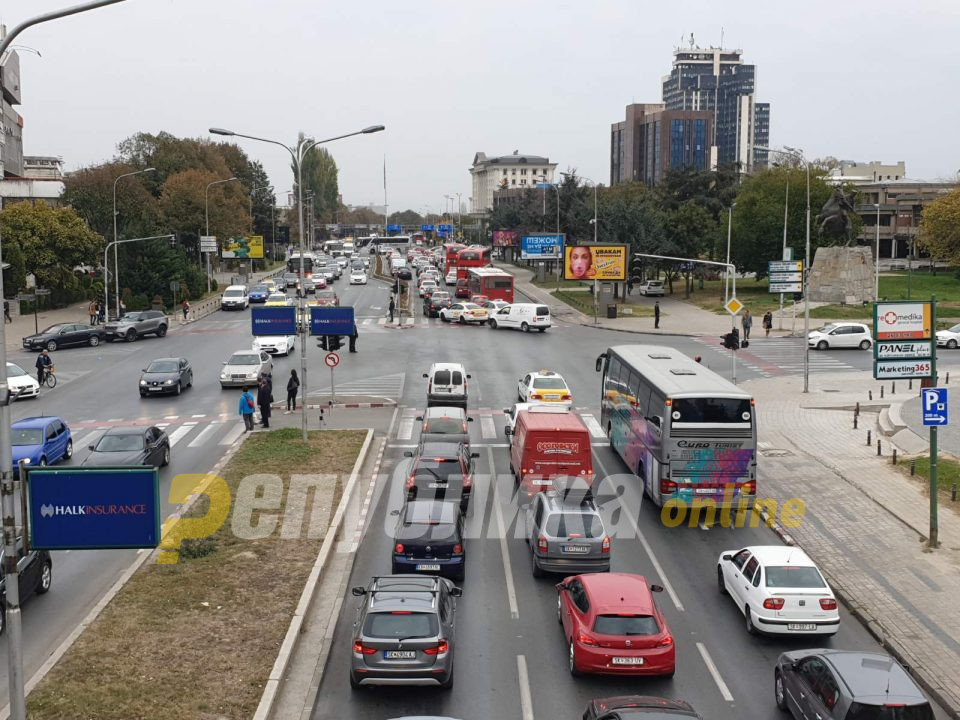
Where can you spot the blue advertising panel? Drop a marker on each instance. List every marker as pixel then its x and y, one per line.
pixel 935 408
pixel 443 233
pixel 541 246
pixel 274 320
pixel 445 228
pixel 331 320
pixel 394 228
pixel 426 228
pixel 93 508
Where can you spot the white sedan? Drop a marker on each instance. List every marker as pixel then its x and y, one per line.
pixel 949 338
pixel 358 277
pixel 22 385
pixel 779 590
pixel 275 344
pixel 463 313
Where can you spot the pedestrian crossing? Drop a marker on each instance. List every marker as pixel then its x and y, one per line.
pixel 220 430
pixel 384 386
pixel 773 357
pixel 488 424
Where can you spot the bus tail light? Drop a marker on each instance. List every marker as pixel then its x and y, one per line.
pixel 749 488
pixel 667 487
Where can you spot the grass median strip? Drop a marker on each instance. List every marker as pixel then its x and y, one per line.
pixel 198 639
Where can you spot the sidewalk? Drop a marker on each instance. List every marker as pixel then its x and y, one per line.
pixel 865 522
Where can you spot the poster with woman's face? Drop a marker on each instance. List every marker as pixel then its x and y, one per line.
pixel 606 263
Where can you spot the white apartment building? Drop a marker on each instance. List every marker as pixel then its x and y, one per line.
pixel 507 171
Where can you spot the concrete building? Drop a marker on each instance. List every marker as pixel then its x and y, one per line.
pixel 11 139
pixel 859 173
pixel 717 80
pixel 507 171
pixel 652 140
pixel 901 204
pixel 43 167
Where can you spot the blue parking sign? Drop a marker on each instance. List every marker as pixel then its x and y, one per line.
pixel 934 405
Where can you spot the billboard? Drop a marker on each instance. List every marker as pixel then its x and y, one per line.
pixel 903 321
pixel 504 238
pixel 243 248
pixel 541 246
pixel 605 263
pixel 93 508
pixel 331 320
pixel 273 321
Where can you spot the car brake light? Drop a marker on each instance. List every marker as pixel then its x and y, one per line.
pixel 828 604
pixel 585 639
pixel 359 647
pixel 749 488
pixel 542 544
pixel 458 549
pixel 605 547
pixel 410 482
pixel 398 550
pixel 566 397
pixel 773 603
pixel 442 647
pixel 667 641
pixel 536 396
pixel 667 487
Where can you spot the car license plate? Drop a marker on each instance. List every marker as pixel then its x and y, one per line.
pixel 581 549
pixel 543 482
pixel 428 568
pixel 155 389
pixel 628 661
pixel 802 626
pixel 439 485
pixel 399 654
pixel 552 398
pixel 705 491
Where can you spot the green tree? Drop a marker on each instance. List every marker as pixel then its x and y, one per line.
pixel 407 217
pixel 183 208
pixel 940 228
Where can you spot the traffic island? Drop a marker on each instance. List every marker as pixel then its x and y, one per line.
pixel 199 638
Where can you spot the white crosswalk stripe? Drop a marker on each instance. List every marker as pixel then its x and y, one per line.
pixel 178 434
pixel 84 440
pixel 387 386
pixel 487 428
pixel 205 434
pixel 592 425
pixel 234 433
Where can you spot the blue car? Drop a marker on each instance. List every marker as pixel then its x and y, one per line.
pixel 258 293
pixel 42 440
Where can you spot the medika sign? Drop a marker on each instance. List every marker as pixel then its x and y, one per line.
pixel 903 321
pixel 93 508
pixel 903 344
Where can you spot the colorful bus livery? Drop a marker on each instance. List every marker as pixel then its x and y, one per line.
pixel 688 433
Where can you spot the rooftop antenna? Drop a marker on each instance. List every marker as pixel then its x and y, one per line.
pixel 721 37
pixel 691 41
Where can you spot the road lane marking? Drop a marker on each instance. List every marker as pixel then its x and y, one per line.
pixel 526 704
pixel 88 438
pixel 646 546
pixel 405 431
pixel 504 552
pixel 708 661
pixel 592 425
pixel 177 435
pixel 204 434
pixel 487 428
pixel 231 436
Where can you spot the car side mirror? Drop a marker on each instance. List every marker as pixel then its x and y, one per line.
pixel 425 375
pixel 90 447
pixel 358 591
pixel 507 431
pixel 407 453
pixel 456 592
pixel 507 411
pixel 420 418
pixel 469 419
pixel 600 363
pixel 728 557
pixel 474 455
pixel 561 586
pixel 224 362
pixel 656 588
pixel 143 369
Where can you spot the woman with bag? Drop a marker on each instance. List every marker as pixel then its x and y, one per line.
pixel 247 406
pixel 768 322
pixel 293 386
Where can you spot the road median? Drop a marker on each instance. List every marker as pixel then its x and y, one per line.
pixel 199 637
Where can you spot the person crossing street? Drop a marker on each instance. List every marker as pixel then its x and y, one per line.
pixel 747 322
pixel 293 387
pixel 392 307
pixel 353 339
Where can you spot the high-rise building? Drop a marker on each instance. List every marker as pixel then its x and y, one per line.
pixel 652 140
pixel 717 80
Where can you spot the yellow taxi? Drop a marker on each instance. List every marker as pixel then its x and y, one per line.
pixel 271 284
pixel 278 299
pixel 544 388
pixel 464 312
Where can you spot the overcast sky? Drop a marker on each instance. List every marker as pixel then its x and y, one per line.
pixel 857 80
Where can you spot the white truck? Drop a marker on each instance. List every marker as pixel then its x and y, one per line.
pixel 397 263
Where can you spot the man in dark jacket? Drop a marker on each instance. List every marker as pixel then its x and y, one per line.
pixel 43 362
pixel 264 398
pixel 353 339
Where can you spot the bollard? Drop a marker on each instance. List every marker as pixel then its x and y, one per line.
pixel 881 392
pixel 948 378
pixel 894 456
pixel 854 421
pixel 910 384
pixel 953 493
pixel 893 388
pixel 856 410
pixel 870 394
pixel 913 467
pixel 868 438
pixel 878 447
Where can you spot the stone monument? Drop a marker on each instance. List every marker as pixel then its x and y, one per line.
pixel 840 273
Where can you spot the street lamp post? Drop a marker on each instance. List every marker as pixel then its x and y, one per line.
pixel 459 216
pixel 116 265
pixel 876 270
pixel 206 213
pixel 726 284
pixel 298 153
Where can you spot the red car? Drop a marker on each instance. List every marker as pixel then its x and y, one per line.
pixel 613 626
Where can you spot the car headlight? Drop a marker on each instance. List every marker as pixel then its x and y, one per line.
pixel 143 382
pixel 168 382
pixel 223 376
pixel 252 375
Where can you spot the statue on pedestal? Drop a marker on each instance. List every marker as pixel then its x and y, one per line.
pixel 835 216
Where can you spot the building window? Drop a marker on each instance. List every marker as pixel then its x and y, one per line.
pixel 513 172
pixel 700 144
pixel 514 181
pixel 523 171
pixel 676 143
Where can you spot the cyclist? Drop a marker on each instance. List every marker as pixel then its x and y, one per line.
pixel 44 361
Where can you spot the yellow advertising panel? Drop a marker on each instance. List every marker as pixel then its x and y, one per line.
pixel 242 248
pixel 606 263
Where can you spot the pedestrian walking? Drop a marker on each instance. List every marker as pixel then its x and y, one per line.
pixel 293 387
pixel 656 315
pixel 94 312
pixel 123 308
pixel 185 306
pixel 768 322
pixel 392 307
pixel 43 362
pixel 746 322
pixel 6 312
pixel 247 406
pixel 353 339
pixel 264 398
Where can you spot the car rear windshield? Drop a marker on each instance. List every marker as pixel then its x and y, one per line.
pixel 443 425
pixel 574 524
pixel 444 470
pixel 794 577
pixel 626 625
pixel 400 625
pixel 26 436
pixel 542 310
pixel 549 383
pixel 162 366
pixel 448 377
pixel 260 289
pixel 244 359
pixel 119 443
pixel 711 410
pixel 861 711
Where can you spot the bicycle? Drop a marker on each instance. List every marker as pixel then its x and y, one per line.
pixel 49 378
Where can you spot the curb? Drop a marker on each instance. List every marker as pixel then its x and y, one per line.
pixel 272 686
pixel 872 625
pixel 340 406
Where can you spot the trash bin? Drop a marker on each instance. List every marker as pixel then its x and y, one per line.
pixel 612 311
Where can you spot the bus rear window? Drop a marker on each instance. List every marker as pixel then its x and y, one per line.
pixel 711 410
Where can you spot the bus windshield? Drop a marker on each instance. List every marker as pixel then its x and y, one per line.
pixel 711 410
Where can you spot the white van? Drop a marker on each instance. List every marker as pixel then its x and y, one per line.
pixel 526 316
pixel 447 385
pixel 234 298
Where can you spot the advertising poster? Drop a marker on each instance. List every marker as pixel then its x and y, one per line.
pixel 541 246
pixel 243 248
pixel 504 238
pixel 606 263
pixel 903 321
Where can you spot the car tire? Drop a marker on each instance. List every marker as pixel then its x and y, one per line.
pixel 68 451
pixel 572 660
pixel 51 345
pixel 461 320
pixel 161 331
pixel 354 685
pixel 179 389
pixel 166 457
pixel 751 628
pixel 721 583
pixel 94 340
pixel 524 327
pixel 823 345
pixel 864 344
pixel 951 344
pixel 779 694
pixel 143 394
pixel 493 324
pixel 131 335
pixel 536 569
pixel 46 578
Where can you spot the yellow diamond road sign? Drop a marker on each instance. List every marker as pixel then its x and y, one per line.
pixel 733 306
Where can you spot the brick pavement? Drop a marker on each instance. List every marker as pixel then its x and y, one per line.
pixel 865 522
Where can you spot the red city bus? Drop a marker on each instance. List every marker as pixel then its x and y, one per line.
pixel 475 256
pixel 492 282
pixel 450 252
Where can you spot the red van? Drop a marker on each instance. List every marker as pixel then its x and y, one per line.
pixel 548 445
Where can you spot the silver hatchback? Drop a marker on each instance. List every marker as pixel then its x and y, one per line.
pixel 404 632
pixel 566 534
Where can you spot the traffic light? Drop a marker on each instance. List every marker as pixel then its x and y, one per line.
pixel 731 341
pixel 322 342
pixel 335 342
pixel 636 269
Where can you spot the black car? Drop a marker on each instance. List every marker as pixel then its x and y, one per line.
pixel 441 470
pixel 64 335
pixel 166 375
pixel 133 446
pixel 438 300
pixel 429 539
pixel 290 279
pixel 637 707
pixel 35 576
